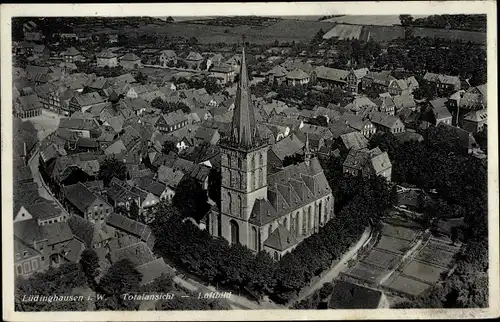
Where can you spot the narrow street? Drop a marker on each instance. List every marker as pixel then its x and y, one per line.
pixel 335 270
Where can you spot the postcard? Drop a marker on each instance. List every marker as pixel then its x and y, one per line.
pixel 242 161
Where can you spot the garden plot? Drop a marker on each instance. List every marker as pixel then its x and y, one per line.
pixel 435 253
pixel 399 232
pixel 407 285
pixel 366 272
pixel 395 245
pixel 424 272
pixel 381 259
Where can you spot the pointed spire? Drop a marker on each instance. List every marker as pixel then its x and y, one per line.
pixel 244 129
pixel 307 152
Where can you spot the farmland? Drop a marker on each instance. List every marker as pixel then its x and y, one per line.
pixel 395 245
pixel 408 285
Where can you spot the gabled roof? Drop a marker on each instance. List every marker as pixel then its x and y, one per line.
pixel 130 57
pixel 281 239
pixel 288 146
pixel 354 140
pixel 72 51
pixel 346 295
pixel 445 79
pixel 333 74
pixel 44 210
pixel 194 56
pixel 477 116
pixel 80 196
pixel 297 74
pixel 384 119
pixel 170 176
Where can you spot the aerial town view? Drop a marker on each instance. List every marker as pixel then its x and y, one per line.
pixel 249 163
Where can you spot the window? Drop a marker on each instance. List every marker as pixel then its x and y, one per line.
pixel 255 238
pixel 269 230
pixel 235 233
pixel 27 267
pixel 309 218
pixel 18 256
pixel 19 270
pixel 276 256
pixel 34 264
pixel 43 258
pixel 285 222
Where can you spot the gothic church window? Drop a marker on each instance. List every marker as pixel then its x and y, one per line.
pixel 255 239
pixel 285 223
pixel 235 232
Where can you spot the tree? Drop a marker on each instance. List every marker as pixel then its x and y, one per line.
pixel 386 141
pixel 120 279
pixel 142 78
pixel 89 262
pixel 406 20
pixel 326 290
pixel 168 147
pixel 111 168
pixel 170 19
pixel 190 198
pixel 293 159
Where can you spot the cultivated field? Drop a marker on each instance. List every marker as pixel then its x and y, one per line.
pixel 381 259
pixel 399 232
pixel 366 272
pixel 407 285
pixel 395 245
pixel 435 253
pixel 463 35
pixel 424 272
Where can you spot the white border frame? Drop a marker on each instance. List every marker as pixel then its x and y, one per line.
pixel 262 9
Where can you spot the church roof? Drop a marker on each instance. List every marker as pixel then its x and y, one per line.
pixel 290 189
pixel 281 239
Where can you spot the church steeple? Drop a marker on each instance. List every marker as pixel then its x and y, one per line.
pixel 244 128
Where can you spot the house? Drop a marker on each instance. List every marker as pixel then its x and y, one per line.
pixel 45 212
pixel 27 106
pixel 368 163
pixel 465 138
pixel 137 90
pixel 360 105
pixel 438 111
pixel 475 121
pixel 83 102
pixel 194 60
pixel 168 58
pixel 358 123
pixel 403 86
pixel 150 55
pixel 94 236
pixel 206 135
pixel 79 200
pixel 329 77
pixel 72 55
pixel 83 127
pixel 386 123
pixel 127 227
pixel 277 75
pixel 224 74
pixel 353 141
pixel 130 61
pixel 443 82
pixel 377 81
pixel 386 105
pixel 171 178
pixel 289 146
pixel 354 79
pixel 346 295
pixel 297 77
pixel 404 101
pixel 137 105
pixel 171 122
pixel 107 59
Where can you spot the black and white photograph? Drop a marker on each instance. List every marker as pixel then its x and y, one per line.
pixel 241 162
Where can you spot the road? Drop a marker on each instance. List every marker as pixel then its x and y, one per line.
pixel 334 271
pixel 43 190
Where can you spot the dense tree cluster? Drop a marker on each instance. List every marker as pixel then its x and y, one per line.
pixel 209 84
pixel 462 22
pixel 433 164
pixel 167 107
pixel 55 281
pixel 110 168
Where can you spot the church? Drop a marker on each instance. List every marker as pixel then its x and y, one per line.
pixel 272 212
